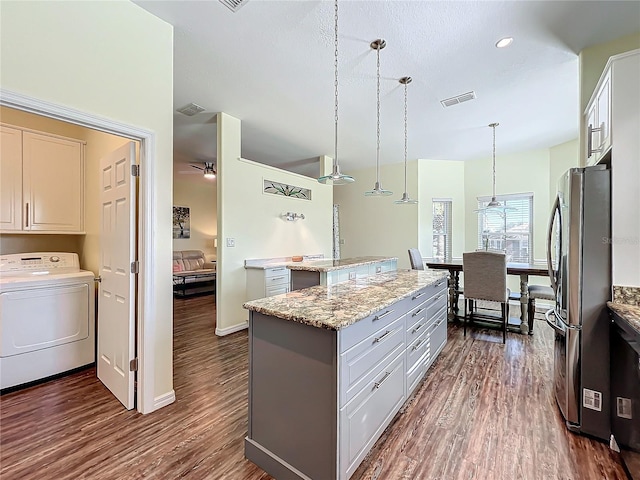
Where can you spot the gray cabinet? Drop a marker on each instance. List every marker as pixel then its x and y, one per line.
pixel 319 399
pixel 267 282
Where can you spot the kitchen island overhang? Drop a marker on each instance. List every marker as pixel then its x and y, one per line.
pixel 329 368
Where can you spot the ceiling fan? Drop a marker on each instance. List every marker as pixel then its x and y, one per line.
pixel 208 169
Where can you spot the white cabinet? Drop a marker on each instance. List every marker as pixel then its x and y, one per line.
pixel 42 183
pixel 267 282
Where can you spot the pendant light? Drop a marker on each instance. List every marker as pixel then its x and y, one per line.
pixel 378 191
pixel 405 200
pixel 494 205
pixel 336 178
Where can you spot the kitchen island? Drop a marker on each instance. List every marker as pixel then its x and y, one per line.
pixel 328 272
pixel 330 366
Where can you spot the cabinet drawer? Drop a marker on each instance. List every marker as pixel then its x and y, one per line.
pixel 416 321
pixel 428 292
pixel 439 332
pixel 368 357
pixel 414 376
pixel 276 280
pixel 435 304
pixel 417 349
pixel 276 271
pixel 366 327
pixel 276 290
pixel 364 419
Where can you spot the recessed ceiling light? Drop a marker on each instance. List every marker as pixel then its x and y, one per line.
pixel 504 42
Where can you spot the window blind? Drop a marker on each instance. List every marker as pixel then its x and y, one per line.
pixel 442 227
pixel 511 231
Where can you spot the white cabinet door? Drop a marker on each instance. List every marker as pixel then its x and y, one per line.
pixel 10 178
pixel 604 114
pixel 53 183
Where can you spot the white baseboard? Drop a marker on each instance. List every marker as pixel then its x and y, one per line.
pixel 164 400
pixel 221 332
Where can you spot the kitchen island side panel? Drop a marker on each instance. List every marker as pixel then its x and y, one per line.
pixel 293 386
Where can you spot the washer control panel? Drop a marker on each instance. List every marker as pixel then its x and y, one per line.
pixel 39 262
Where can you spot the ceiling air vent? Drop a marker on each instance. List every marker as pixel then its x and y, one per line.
pixel 191 109
pixel 465 97
pixel 233 5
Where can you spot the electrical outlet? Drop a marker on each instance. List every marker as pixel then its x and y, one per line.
pixel 231 242
pixel 352 275
pixel 378 269
pixel 341 241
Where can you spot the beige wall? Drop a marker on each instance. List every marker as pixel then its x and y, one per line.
pixel 98 144
pixel 375 225
pixel 441 179
pixel 592 61
pixel 561 158
pixel 93 57
pixel 253 219
pixel 200 195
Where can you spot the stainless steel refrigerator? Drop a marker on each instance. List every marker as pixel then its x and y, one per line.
pixel 579 259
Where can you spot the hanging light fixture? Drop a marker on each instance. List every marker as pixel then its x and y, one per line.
pixel 494 205
pixel 405 200
pixel 209 171
pixel 378 191
pixel 336 178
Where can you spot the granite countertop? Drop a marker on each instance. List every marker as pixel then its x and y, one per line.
pixel 344 304
pixel 329 265
pixel 626 303
pixel 264 263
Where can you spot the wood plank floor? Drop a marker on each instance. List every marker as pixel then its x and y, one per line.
pixel 485 411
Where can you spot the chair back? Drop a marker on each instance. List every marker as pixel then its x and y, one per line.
pixel 485 276
pixel 416 259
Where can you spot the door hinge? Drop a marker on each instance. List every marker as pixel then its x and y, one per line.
pixel 135 267
pixel 133 365
pixel 135 170
pixel 98 279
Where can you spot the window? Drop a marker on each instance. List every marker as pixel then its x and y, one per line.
pixel 441 229
pixel 510 231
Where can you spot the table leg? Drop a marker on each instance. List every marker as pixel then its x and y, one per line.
pixel 524 300
pixel 456 287
pixel 453 295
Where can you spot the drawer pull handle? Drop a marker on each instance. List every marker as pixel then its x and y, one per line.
pixel 380 338
pixel 439 283
pixel 417 312
pixel 417 328
pixel 417 345
pixel 278 278
pixel 379 317
pixel 438 297
pixel 417 295
pixel 379 384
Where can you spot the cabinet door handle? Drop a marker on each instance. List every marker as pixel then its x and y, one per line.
pixel 380 317
pixel 590 131
pixel 417 312
pixel 382 337
pixel 439 283
pixel 382 380
pixel 278 278
pixel 438 297
pixel 417 328
pixel 417 295
pixel 417 345
pixel 26 219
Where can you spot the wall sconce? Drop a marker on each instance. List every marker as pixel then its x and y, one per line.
pixel 291 216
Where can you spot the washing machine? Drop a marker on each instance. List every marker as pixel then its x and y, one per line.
pixel 47 316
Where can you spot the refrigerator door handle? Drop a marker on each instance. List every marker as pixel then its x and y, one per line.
pixel 552 274
pixel 553 323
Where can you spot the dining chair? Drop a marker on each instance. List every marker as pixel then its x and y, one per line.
pixel 485 278
pixel 541 292
pixel 415 257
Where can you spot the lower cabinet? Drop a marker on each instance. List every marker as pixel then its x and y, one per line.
pixel 267 282
pixel 319 399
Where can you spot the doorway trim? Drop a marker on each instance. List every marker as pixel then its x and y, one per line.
pixel 145 401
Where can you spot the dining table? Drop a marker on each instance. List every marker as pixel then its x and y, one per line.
pixel 523 270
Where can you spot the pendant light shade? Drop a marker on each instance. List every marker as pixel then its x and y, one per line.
pixel 378 191
pixel 494 205
pixel 405 200
pixel 336 177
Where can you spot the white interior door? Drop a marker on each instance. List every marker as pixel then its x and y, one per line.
pixel 116 300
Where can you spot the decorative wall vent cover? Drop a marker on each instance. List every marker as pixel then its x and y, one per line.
pixel 191 109
pixel 465 97
pixel 233 5
pixel 285 190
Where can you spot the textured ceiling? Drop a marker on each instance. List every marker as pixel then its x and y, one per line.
pixel 271 65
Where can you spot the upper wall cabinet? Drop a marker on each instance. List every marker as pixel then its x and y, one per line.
pixel 42 182
pixel 607 113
